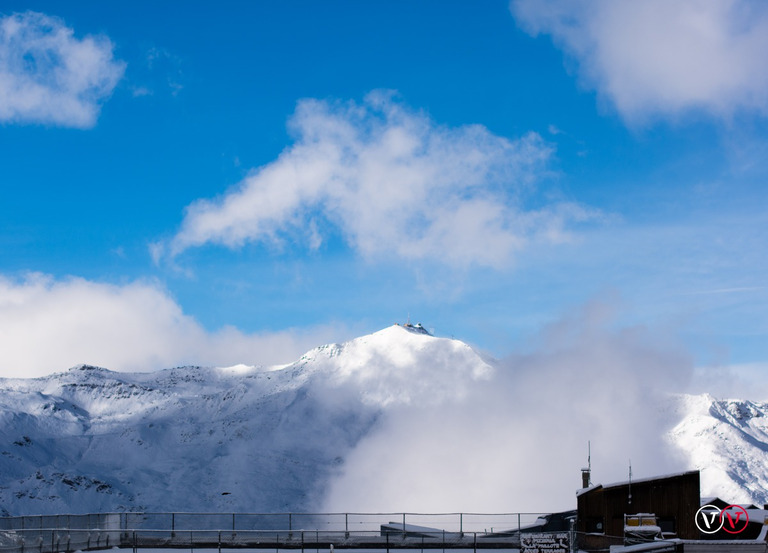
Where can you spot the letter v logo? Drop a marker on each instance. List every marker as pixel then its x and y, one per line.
pixel 709 519
pixel 735 523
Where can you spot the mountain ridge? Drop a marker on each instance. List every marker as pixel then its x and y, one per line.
pixel 246 438
pixel 252 438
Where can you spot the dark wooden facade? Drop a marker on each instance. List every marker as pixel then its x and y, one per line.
pixel 673 499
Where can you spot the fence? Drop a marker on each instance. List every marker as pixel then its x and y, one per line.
pixel 68 533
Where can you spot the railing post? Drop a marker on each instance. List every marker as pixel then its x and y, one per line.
pixel 403 525
pixel 461 524
pixel 346 525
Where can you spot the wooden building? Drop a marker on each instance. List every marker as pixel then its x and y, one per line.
pixel 674 499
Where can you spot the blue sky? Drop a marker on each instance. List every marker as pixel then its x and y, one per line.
pixel 241 181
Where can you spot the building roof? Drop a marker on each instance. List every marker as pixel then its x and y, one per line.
pixel 638 481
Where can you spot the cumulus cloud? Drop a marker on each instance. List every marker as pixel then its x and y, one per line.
pixel 48 76
pixel 660 59
pixel 516 441
pixel 393 183
pixel 49 325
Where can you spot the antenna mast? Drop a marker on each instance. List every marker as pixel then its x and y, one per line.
pixel 586 473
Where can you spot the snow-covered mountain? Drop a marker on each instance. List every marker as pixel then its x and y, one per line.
pixel 728 441
pixel 245 439
pixel 267 439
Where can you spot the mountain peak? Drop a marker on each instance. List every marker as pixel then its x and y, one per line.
pixel 417 328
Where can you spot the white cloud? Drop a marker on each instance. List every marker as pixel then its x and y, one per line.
pixel 658 58
pixel 48 76
pixel 49 325
pixel 516 441
pixel 394 183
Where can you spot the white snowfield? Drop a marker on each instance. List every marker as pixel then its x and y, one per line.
pixel 246 439
pixel 272 439
pixel 728 441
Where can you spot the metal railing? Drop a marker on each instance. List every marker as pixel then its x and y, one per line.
pixel 216 531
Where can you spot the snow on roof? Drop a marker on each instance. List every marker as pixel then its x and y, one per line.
pixel 589 489
pixel 636 481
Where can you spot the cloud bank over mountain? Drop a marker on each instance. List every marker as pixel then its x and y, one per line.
pixel 49 325
pixel 515 441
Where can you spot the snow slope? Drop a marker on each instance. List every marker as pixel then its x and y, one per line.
pixel 212 439
pixel 728 441
pixel 268 439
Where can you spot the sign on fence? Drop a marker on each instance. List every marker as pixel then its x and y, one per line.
pixel 545 543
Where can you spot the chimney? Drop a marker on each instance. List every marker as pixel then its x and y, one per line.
pixel 585 474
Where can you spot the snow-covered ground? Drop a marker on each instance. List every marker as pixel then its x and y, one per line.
pixel 247 439
pixel 728 441
pixel 395 416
